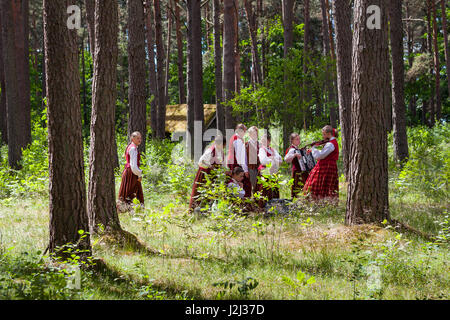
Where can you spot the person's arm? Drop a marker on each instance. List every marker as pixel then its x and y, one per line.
pixel 277 157
pixel 241 155
pixel 206 159
pixel 290 155
pixel 322 154
pixel 263 158
pixel 133 162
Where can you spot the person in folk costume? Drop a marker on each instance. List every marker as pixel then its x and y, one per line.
pixel 130 186
pixel 268 155
pixel 212 158
pixel 237 157
pixel 251 149
pixel 235 183
pixel 323 181
pixel 293 156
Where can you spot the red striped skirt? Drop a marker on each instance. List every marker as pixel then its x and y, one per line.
pixel 130 187
pixel 323 181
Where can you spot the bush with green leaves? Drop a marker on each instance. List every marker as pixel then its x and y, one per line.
pixel 427 171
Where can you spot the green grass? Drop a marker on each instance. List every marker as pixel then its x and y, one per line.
pixel 192 257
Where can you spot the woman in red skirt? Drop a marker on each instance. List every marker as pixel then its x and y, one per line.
pixel 211 159
pixel 293 156
pixel 323 181
pixel 268 155
pixel 131 186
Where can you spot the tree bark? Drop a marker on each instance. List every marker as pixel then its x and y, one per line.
pixel 101 196
pixel 437 68
pixel 153 84
pixel 190 84
pixel 229 41
pixel 160 74
pixel 220 117
pixel 3 114
pixel 253 29
pixel 136 68
pixel 65 145
pixel 326 34
pixel 169 35
pixel 197 60
pixel 446 47
pixel 410 39
pixel 288 35
pixel 90 17
pixel 180 63
pixel 237 53
pixel 431 104
pixel 342 12
pixel 83 80
pixel 367 198
pixel 17 77
pixel 398 82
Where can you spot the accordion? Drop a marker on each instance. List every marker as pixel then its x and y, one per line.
pixel 307 161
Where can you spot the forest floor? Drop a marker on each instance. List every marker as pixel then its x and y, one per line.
pixel 307 255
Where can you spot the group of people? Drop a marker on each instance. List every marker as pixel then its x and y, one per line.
pixel 252 167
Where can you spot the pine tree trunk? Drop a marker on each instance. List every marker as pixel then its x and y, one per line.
pixel 153 84
pixel 253 29
pixel 101 196
pixel 190 84
pixel 367 198
pixel 197 64
pixel 287 12
pixel 17 77
pixel 181 84
pixel 220 117
pixel 169 35
pixel 229 41
pixel 237 53
pixel 137 120
pixel 446 47
pixel 437 68
pixel 3 115
pixel 90 18
pixel 83 80
pixel 329 75
pixel 398 85
pixel 160 74
pixel 67 201
pixel 410 38
pixel 431 105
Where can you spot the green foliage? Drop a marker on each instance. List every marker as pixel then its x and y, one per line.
pixel 244 287
pixel 297 284
pixel 427 171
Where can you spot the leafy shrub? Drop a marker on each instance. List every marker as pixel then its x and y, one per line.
pixel 427 171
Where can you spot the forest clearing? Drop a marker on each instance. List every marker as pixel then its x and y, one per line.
pixel 224 150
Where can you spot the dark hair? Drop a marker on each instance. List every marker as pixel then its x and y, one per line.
pixel 237 170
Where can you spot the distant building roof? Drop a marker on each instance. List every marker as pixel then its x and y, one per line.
pixel 176 117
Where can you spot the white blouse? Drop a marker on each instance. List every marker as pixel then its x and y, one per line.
pixel 241 154
pixel 325 152
pixel 207 159
pixel 133 162
pixel 274 158
pixel 290 155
